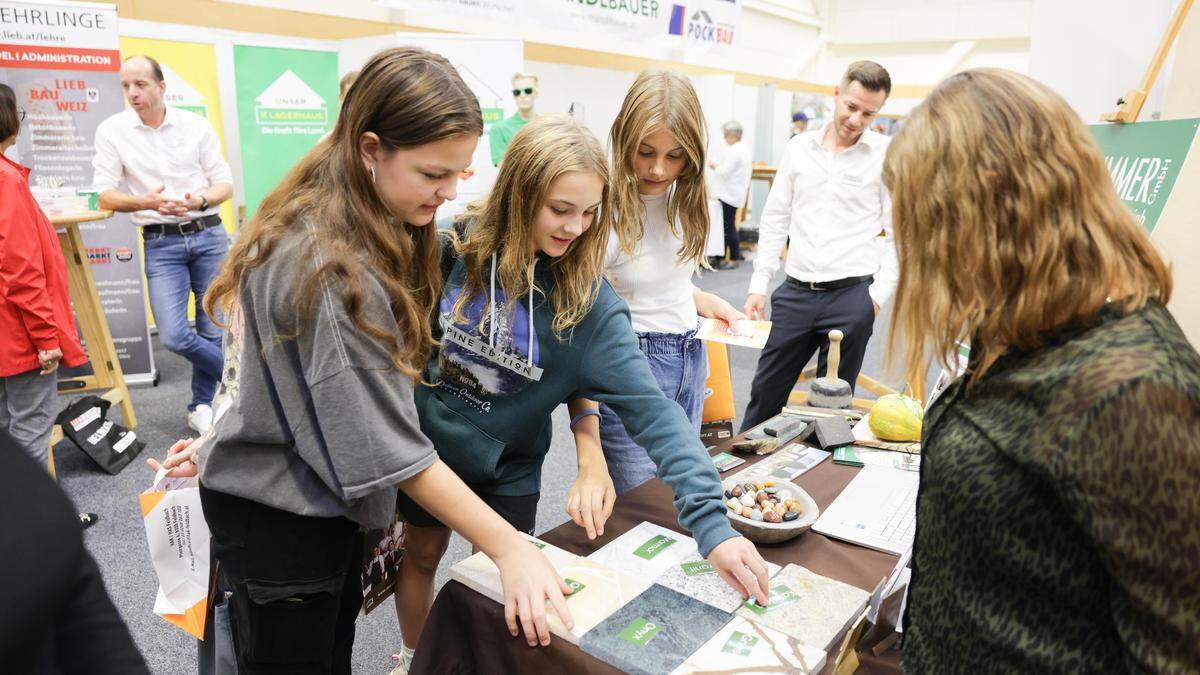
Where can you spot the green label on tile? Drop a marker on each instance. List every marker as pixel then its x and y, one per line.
pixel 740 644
pixel 538 544
pixel 575 586
pixel 640 632
pixel 780 596
pixel 653 547
pixel 693 569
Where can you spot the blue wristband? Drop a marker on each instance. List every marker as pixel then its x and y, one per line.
pixel 590 411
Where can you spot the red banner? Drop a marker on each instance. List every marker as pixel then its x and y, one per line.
pixel 59 58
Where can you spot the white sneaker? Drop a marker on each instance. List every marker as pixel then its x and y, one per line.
pixel 200 420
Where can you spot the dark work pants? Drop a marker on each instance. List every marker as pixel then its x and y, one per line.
pixel 802 320
pixel 729 216
pixel 295 583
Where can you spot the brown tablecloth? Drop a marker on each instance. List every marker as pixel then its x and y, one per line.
pixel 466 632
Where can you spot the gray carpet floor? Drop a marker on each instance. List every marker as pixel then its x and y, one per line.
pixel 118 540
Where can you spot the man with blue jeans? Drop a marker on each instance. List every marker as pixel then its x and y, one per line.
pixel 169 162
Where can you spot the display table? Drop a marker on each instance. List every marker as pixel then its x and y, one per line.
pixel 107 377
pixel 466 632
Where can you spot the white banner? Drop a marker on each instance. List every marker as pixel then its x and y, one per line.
pixel 701 25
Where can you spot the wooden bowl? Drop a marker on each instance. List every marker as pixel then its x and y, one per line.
pixel 762 532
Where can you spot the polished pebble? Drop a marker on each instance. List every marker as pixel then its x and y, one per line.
pixel 791 515
pixel 772 490
pixel 736 491
pixel 734 504
pixel 772 517
pixel 728 494
pixel 756 515
pixel 748 499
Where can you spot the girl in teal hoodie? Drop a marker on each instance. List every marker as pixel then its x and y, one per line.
pixel 528 324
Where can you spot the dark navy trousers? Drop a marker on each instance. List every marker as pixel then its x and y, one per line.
pixel 802 319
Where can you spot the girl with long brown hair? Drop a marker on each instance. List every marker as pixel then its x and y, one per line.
pixel 660 220
pixel 528 323
pixel 1057 511
pixel 334 282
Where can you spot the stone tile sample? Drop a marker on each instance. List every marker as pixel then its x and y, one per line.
pixel 749 648
pixel 646 551
pixel 598 590
pixel 695 577
pixel 808 606
pixel 655 633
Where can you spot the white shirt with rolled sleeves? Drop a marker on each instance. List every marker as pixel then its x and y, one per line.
pixel 837 213
pixel 731 178
pixel 183 155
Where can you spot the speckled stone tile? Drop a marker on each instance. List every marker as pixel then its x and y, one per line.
pixel 655 633
pixel 695 577
pixel 646 551
pixel 746 647
pixel 808 606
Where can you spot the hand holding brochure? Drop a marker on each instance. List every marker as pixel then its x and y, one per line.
pixel 744 333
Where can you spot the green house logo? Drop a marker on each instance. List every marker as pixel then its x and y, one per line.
pixel 740 644
pixel 653 547
pixel 180 94
pixel 290 101
pixel 575 586
pixel 640 632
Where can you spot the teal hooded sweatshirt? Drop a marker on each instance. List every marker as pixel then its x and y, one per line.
pixel 495 386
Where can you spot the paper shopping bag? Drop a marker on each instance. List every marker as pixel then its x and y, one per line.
pixel 178 537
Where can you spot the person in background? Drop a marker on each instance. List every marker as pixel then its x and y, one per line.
pixel 57 617
pixel 732 182
pixel 829 204
pixel 799 123
pixel 1057 510
pixel 525 93
pixel 169 162
pixel 35 308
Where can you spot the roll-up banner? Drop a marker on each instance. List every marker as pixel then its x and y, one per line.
pixel 62 59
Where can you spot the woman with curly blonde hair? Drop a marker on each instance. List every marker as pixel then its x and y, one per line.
pixel 1057 511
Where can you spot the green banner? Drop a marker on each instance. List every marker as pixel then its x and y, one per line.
pixel 287 100
pixel 1144 159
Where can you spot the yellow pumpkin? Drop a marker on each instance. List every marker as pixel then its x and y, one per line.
pixel 896 417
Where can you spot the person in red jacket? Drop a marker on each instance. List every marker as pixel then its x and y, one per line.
pixel 37 328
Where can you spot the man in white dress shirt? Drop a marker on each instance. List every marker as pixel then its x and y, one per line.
pixel 164 166
pixel 731 182
pixel 829 205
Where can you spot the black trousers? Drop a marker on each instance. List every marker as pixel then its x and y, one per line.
pixel 802 319
pixel 729 216
pixel 295 582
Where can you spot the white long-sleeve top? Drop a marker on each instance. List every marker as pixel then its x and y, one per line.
pixel 836 212
pixel 731 178
pixel 656 286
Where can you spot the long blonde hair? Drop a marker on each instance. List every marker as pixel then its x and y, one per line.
pixel 661 98
pixel 502 224
pixel 1006 222
pixel 408 97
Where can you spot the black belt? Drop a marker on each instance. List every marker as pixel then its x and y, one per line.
pixel 829 285
pixel 186 227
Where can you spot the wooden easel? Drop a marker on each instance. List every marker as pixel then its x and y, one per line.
pixel 1130 106
pixel 106 376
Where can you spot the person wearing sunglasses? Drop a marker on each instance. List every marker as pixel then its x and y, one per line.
pixel 524 91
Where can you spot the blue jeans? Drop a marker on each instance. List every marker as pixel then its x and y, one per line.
pixel 178 265
pixel 680 367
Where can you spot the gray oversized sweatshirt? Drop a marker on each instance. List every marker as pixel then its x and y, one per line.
pixel 323 424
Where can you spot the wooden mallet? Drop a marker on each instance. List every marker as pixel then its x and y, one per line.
pixel 830 391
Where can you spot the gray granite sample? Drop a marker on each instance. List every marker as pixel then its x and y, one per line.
pixel 696 578
pixel 655 633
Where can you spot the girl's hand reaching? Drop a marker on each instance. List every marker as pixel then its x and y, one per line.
pixel 530 580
